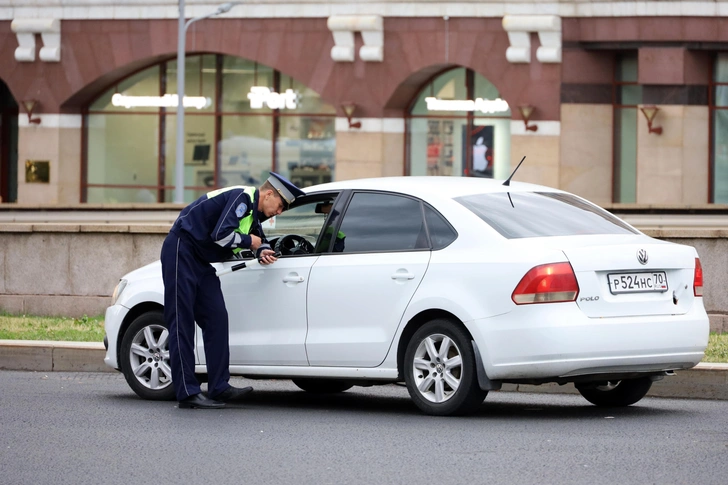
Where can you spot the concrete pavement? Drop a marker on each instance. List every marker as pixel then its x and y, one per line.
pixel 705 381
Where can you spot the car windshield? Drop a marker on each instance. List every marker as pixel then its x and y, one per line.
pixel 541 214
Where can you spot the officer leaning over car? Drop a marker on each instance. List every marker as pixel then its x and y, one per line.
pixel 212 229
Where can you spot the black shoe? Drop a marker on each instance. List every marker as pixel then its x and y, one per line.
pixel 201 402
pixel 234 394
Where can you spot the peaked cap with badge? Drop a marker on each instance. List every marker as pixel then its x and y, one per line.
pixel 285 188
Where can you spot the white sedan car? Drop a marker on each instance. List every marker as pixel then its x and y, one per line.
pixel 452 285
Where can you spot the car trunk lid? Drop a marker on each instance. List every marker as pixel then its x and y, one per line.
pixel 632 276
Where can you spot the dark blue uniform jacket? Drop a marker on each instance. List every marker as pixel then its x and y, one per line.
pixel 210 223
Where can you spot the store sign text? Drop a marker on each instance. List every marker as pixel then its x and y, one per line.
pixel 497 105
pixel 166 101
pixel 260 96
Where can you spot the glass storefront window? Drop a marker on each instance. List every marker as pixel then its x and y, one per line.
pixel 239 76
pixel 447 86
pixel 144 83
pixel 123 150
pixel 721 68
pixel 628 95
pixel 200 74
pixel 131 150
pixel 720 130
pixel 459 125
pixel 246 150
pixel 307 100
pixel 306 148
pixel 199 157
pixel 625 155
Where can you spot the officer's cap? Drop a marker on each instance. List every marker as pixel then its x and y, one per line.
pixel 285 188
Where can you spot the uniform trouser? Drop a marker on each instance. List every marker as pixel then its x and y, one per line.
pixel 192 294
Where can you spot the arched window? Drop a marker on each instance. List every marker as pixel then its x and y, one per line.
pixel 459 125
pixel 242 120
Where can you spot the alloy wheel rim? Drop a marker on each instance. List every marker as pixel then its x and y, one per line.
pixel 149 357
pixel 437 368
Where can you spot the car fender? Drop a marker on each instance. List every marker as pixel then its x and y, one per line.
pixel 143 285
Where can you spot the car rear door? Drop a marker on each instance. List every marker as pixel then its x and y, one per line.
pixel 359 291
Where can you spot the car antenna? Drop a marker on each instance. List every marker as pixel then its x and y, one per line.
pixel 507 183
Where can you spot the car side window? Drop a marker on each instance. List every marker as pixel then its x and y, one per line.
pixel 305 220
pixel 441 232
pixel 383 222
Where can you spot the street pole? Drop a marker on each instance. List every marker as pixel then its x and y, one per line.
pixel 179 168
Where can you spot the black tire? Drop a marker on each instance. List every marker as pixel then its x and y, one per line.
pixel 617 394
pixel 435 388
pixel 322 386
pixel 146 366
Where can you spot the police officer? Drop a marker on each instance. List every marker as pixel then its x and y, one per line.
pixel 212 229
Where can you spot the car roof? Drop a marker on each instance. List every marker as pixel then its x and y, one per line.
pixel 423 186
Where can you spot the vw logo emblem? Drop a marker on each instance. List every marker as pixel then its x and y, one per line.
pixel 642 256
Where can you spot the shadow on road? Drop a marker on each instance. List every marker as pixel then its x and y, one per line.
pixel 504 405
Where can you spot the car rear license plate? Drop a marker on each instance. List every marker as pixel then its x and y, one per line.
pixel 637 282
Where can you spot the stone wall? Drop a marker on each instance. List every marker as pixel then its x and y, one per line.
pixel 70 270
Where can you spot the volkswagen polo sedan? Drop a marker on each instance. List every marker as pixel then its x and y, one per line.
pixel 453 286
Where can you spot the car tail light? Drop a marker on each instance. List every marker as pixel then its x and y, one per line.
pixel 548 283
pixel 698 279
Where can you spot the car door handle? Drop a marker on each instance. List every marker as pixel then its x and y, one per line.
pixel 293 278
pixel 403 275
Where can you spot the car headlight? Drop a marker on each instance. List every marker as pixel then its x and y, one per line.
pixel 118 290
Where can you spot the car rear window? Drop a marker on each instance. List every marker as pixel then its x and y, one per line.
pixel 541 214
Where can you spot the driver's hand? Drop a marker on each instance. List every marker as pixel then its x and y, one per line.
pixel 267 256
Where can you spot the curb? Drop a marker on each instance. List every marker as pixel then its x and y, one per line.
pixel 704 381
pixel 49 356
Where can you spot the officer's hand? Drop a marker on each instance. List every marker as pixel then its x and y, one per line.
pixel 255 242
pixel 267 257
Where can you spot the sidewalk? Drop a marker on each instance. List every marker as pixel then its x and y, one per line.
pixel 705 381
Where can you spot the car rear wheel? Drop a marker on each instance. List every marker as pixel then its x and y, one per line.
pixel 144 356
pixel 617 393
pixel 440 372
pixel 322 386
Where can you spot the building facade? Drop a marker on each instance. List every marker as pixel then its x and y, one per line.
pixel 617 101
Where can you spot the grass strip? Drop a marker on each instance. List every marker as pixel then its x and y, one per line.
pixel 28 327
pixel 717 350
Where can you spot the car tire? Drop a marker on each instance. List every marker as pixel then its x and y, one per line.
pixel 144 357
pixel 440 370
pixel 322 386
pixel 617 394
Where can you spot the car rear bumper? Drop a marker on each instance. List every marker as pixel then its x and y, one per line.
pixel 112 323
pixel 558 340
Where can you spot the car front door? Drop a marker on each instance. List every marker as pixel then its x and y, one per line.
pixel 266 304
pixel 359 291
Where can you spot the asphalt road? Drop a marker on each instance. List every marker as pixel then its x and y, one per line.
pixel 89 428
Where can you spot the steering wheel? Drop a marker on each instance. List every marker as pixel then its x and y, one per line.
pixel 293 244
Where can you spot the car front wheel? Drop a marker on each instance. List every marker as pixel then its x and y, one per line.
pixel 440 372
pixel 616 393
pixel 144 356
